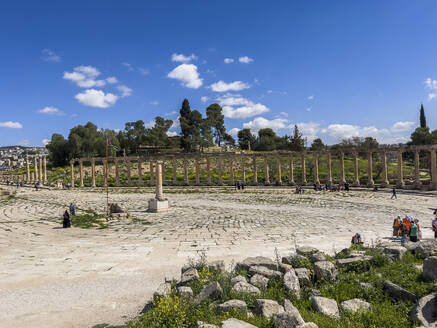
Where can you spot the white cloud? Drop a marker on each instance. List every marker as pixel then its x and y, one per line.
pixel 11 125
pixel 269 91
pixel 50 111
pixel 188 75
pixel 221 86
pixel 156 102
pixel 262 123
pixel 234 131
pixel 182 58
pixel 128 66
pixel 342 131
pixel 175 124
pixel 236 106
pixel 96 98
pixel 431 96
pixel 308 129
pixel 402 126
pixel 84 76
pixel 204 99
pixel 49 55
pixel 125 91
pixel 310 97
pixel 45 142
pixel 111 80
pixel 431 84
pixel 149 124
pixel 245 60
pixel 144 71
pixel 228 60
pixel 173 112
pixel 172 133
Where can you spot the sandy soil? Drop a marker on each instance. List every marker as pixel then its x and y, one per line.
pixel 52 277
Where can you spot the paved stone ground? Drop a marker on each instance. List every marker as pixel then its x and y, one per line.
pixel 52 277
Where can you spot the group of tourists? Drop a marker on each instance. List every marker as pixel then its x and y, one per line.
pixel 239 185
pixel 299 190
pixel 67 222
pixel 332 188
pixel 407 229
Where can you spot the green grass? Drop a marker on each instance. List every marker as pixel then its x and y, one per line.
pixel 89 220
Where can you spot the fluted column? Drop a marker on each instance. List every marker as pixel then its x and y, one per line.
pixel 208 170
pixel 417 182
pixel 291 171
pixel 27 169
pixel 72 173
pixel 266 171
pixel 81 173
pixel 243 169
pixel 342 177
pixel 400 183
pixel 385 181
pixel 356 182
pixel 128 167
pixel 279 175
pixel 197 167
pixel 152 180
pixel 255 172
pixel 370 181
pixel 140 172
pixel 231 169
pixel 329 164
pixel 40 170
pixel 93 172
pixel 304 173
pixel 45 168
pixel 433 170
pixel 186 171
pixel 220 170
pixel 159 194
pixel 316 169
pixel 175 176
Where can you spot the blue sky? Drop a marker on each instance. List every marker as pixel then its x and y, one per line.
pixel 335 68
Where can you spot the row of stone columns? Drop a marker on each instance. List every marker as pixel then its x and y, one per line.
pixel 39 173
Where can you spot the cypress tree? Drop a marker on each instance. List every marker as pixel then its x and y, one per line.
pixel 422 117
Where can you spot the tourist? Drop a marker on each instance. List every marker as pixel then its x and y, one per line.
pixel 66 223
pixel 396 226
pixel 356 239
pixel 72 209
pixel 393 194
pixel 413 232
pixel 375 188
pixel 243 186
pixel 419 232
pixel 346 186
pixel 434 226
pixel 36 186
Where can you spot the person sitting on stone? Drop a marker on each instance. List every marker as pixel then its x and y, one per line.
pixel 356 239
pixel 66 223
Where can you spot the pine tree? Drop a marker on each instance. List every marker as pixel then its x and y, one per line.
pixel 422 117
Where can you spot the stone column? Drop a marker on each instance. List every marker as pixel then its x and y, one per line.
pixel 291 169
pixel 175 177
pixel 304 173
pixel 266 171
pixel 140 172
pixel 400 183
pixel 159 194
pixel 243 169
pixel 208 170
pixel 129 180
pixel 117 173
pixel 105 172
pixel 433 170
pixel 278 164
pixel 40 170
pixel 220 170
pixel 152 181
pixel 72 173
pixel 385 181
pixel 81 173
pixel 197 167
pixel 35 168
pixel 417 182
pixel 255 172
pixel 186 171
pixel 328 155
pixel 45 168
pixel 356 182
pixel 93 172
pixel 342 177
pixel 27 169
pixel 316 169
pixel 231 170
pixel 370 182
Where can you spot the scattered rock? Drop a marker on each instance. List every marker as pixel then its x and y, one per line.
pixel 163 290
pixel 291 282
pixel 410 246
pixel 315 292
pixel 309 325
pixel 235 323
pixel 296 257
pixel 212 291
pixel 184 291
pixel 397 251
pixel 288 320
pixel 259 281
pixel 355 305
pixel 237 279
pixel 426 248
pixel 115 208
pixel 188 276
pixel 267 308
pixel 285 267
pixel 317 257
pixel 353 260
pixel 266 272
pixel 303 274
pixel 244 287
pixel 258 260
pixel 306 250
pixel 430 268
pixel 201 324
pixel 425 311
pixel 325 270
pixel 231 305
pixel 325 306
pixel 398 292
pixel 366 285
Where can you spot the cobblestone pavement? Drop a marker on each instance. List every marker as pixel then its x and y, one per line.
pixel 52 277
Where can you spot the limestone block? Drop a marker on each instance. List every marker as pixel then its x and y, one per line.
pixel 430 268
pixel 258 260
pixel 398 292
pixel 266 272
pixel 291 282
pixel 235 323
pixel 259 281
pixel 355 305
pixel 325 270
pixel 158 206
pixel 325 306
pixel 244 287
pixel 212 291
pixel 231 305
pixel 267 307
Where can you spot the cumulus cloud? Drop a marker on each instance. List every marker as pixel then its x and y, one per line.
pixel 143 71
pixel 402 126
pixel 11 125
pixel 111 80
pixel 45 142
pixel 172 133
pixel 204 99
pixel 228 60
pixel 128 66
pixel 50 111
pixel 188 75
pixel 431 85
pixel 236 106
pixel 221 86
pixel 310 97
pixel 182 58
pixel 125 91
pixel 175 123
pixel 234 131
pixel 85 77
pixel 308 129
pixel 342 131
pixel 96 98
pixel 245 60
pixel 173 112
pixel 49 55
pixel 261 123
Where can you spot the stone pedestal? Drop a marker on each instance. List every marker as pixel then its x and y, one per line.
pixel 159 204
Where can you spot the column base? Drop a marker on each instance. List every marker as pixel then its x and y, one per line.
pixel 356 184
pixel 385 184
pixel 158 206
pixel 371 183
pixel 433 185
pixel 291 183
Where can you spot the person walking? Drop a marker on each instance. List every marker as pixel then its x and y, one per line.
pixel 66 223
pixel 413 232
pixel 72 209
pixel 396 226
pixel 393 194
